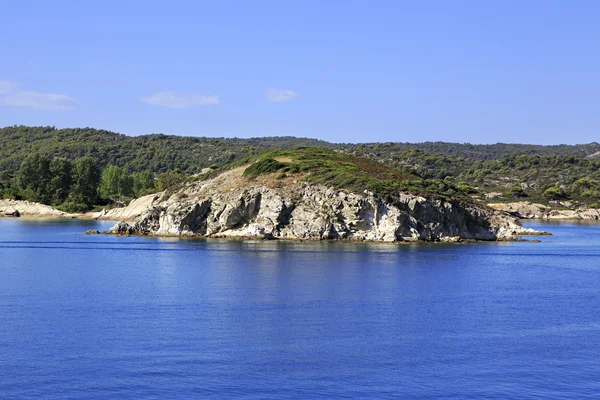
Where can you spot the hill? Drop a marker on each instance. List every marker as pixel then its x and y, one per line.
pixel 161 153
pixel 502 171
pixel 342 171
pixel 157 153
pixel 312 193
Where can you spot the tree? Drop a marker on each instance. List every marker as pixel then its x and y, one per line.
pixel 169 179
pixel 61 180
pixel 143 183
pixel 86 178
pixel 111 180
pixel 116 182
pixel 34 177
pixel 583 184
pixel 126 186
pixel 554 193
pixel 516 192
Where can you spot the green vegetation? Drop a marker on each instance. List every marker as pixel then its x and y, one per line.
pixel 155 153
pixel 160 153
pixel 116 182
pixel 527 177
pixel 133 166
pixel 330 168
pixel 169 179
pixel 72 186
pixel 263 166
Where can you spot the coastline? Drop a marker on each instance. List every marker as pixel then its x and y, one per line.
pixel 30 210
pixel 451 240
pixel 525 210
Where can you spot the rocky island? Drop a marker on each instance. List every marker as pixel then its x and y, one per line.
pixel 317 194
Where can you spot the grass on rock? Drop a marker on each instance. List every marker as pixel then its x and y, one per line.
pixel 355 174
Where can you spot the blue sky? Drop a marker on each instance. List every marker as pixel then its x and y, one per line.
pixel 343 71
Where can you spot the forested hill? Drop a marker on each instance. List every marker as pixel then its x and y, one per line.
pixel 156 153
pixel 53 166
pixel 484 152
pixel 161 153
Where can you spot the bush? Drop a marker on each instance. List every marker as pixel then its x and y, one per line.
pixel 261 167
pixel 554 193
pixel 75 204
pixel 516 192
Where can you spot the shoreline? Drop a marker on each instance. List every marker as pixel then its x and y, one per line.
pixel 87 217
pixel 517 237
pixel 524 211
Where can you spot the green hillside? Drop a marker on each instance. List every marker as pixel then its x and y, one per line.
pixel 152 162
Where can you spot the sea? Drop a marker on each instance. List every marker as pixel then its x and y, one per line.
pixel 105 317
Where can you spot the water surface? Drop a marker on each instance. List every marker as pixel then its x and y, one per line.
pixel 102 317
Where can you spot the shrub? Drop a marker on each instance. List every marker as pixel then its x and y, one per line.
pixel 554 193
pixel 516 192
pixel 261 167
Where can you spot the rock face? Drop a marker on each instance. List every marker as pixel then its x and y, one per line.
pixel 136 208
pixel 528 210
pixel 22 208
pixel 229 206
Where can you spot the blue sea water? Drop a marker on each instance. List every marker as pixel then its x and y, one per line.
pixel 102 317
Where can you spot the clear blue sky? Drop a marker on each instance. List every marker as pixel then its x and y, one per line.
pixel 343 71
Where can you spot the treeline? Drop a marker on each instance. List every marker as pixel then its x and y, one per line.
pixel 160 153
pixel 72 186
pixel 481 152
pixel 79 185
pixel 532 177
pixel 156 153
pixel 511 171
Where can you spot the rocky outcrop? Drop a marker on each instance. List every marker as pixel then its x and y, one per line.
pixel 136 208
pixel 233 207
pixel 528 210
pixel 22 208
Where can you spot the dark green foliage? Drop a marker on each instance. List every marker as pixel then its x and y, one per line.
pixel 60 180
pixel 116 183
pixel 537 173
pixel 554 193
pixel 466 188
pixel 86 179
pixel 161 153
pixel 76 203
pixel 330 168
pixel 265 166
pixel 156 153
pixel 70 186
pixel 470 169
pixel 516 192
pixel 143 183
pixel 169 179
pixel 34 178
pixel 481 152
